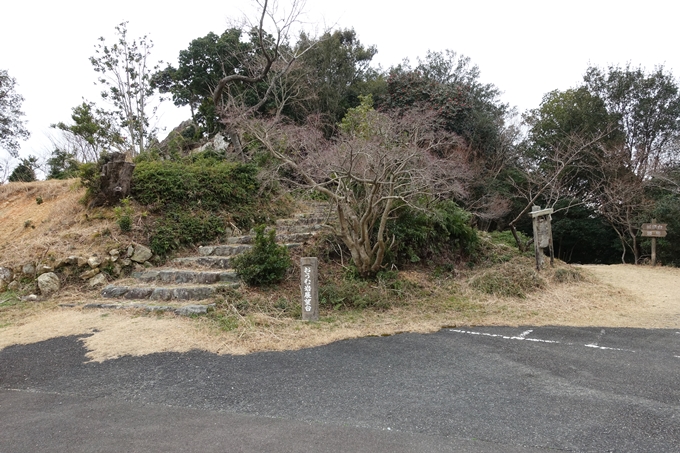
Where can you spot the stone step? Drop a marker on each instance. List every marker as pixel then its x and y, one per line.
pixel 284 238
pixel 183 310
pixel 299 222
pixel 185 276
pixel 224 250
pixel 163 293
pixel 214 262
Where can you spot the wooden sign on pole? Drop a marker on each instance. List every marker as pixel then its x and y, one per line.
pixel 309 284
pixel 654 230
pixel 542 234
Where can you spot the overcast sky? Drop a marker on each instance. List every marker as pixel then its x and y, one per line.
pixel 524 47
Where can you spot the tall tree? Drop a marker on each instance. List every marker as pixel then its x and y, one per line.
pixel 125 71
pixel 12 127
pixel 25 171
pixel 449 84
pixel 200 67
pixel 241 76
pixel 647 108
pixel 339 71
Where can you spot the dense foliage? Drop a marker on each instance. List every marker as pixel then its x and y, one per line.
pixel 381 144
pixel 205 183
pixel 196 199
pixel 440 234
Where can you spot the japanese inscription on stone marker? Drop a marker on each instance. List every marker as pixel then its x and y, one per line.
pixel 310 288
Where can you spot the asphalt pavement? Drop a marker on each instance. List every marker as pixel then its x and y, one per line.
pixel 483 389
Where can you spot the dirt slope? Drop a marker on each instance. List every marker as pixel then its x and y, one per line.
pixel 43 220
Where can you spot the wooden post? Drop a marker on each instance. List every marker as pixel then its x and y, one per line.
pixel 537 247
pixel 653 247
pixel 309 285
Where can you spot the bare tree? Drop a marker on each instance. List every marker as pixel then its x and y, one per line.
pixel 377 165
pixel 266 67
pixel 125 70
pixel 621 200
pixel 558 176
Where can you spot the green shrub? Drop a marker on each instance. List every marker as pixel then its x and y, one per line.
pixel 266 263
pixel 90 174
pixel 180 227
pixel 438 234
pixel 206 183
pixel 123 214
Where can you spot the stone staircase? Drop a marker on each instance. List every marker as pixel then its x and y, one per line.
pixel 187 284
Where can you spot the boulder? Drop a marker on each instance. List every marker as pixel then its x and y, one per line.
pixel 48 283
pixel 14 286
pixel 97 280
pixel 94 261
pixel 141 254
pixel 28 269
pixel 81 261
pixel 6 275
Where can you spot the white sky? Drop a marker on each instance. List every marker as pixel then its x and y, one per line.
pixel 524 47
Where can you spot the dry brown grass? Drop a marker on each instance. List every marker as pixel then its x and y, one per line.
pixel 591 302
pixel 56 228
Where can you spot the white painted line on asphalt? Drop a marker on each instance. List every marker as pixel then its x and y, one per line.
pixel 523 335
pixel 603 347
pixel 520 337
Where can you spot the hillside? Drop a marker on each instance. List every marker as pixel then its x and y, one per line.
pixel 43 221
pixel 249 319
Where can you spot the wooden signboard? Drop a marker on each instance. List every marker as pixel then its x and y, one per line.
pixel 654 230
pixel 541 219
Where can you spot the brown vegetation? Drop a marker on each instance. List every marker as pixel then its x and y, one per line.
pixel 249 320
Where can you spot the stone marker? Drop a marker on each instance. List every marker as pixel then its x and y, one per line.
pixel 309 284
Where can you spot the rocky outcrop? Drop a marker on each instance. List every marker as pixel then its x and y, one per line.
pixel 5 278
pixel 115 181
